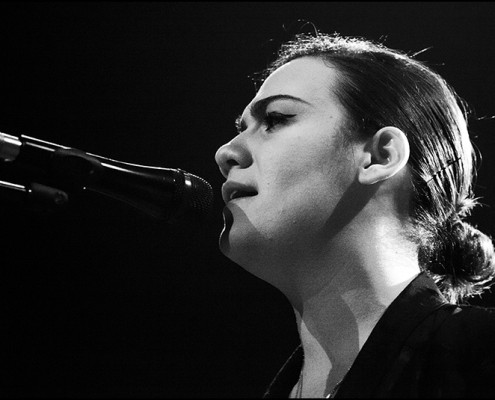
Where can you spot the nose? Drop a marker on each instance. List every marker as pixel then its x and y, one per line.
pixel 233 154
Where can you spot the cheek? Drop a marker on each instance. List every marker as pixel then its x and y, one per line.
pixel 303 175
pixel 296 203
pixel 294 165
pixel 301 194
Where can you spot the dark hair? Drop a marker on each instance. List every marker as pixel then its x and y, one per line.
pixel 378 87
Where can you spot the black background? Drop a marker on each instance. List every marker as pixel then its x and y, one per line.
pixel 101 301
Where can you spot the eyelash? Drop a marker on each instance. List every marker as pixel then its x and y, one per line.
pixel 271 120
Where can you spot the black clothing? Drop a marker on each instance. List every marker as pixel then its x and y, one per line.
pixel 421 347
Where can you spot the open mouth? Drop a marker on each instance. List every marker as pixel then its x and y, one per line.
pixel 232 190
pixel 236 194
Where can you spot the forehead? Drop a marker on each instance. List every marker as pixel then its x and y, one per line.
pixel 308 78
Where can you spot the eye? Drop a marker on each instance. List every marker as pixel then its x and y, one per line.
pixel 272 119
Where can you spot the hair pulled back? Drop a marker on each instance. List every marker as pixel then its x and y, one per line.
pixel 378 87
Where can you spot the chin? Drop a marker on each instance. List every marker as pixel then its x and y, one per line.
pixel 238 239
pixel 235 245
pixel 254 247
pixel 245 248
pixel 237 232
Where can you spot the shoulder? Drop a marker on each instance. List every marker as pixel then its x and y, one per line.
pixel 464 349
pixel 471 321
pixel 469 332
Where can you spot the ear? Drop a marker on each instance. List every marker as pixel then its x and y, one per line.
pixel 385 154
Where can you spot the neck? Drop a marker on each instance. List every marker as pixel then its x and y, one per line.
pixel 336 312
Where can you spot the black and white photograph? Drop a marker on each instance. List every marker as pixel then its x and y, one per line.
pixel 247 199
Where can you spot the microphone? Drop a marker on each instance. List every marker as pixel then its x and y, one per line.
pixel 164 193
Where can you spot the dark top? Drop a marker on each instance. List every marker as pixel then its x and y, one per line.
pixel 422 346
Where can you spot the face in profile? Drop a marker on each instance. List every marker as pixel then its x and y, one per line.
pixel 286 170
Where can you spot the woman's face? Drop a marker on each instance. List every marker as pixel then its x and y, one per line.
pixel 286 170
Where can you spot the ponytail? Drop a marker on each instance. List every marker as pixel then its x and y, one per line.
pixel 460 258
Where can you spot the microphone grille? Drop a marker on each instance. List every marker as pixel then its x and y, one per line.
pixel 199 196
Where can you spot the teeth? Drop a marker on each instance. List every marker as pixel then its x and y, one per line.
pixel 233 194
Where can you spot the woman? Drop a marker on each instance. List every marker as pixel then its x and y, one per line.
pixel 346 189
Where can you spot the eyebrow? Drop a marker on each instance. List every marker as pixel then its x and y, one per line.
pixel 257 109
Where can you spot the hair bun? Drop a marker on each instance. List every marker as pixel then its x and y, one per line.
pixel 463 261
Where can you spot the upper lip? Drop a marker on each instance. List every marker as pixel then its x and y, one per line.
pixel 231 188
